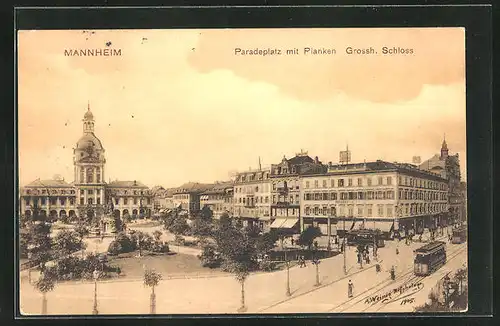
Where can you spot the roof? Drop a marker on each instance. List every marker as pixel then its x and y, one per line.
pixel 430 246
pixel 89 140
pixel 126 184
pixel 51 183
pixel 192 187
pixel 379 165
pixel 300 159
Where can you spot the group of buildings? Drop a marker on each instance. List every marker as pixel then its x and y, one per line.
pixel 293 194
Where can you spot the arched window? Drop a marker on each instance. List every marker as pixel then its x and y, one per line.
pixel 98 175
pixel 90 175
pixel 82 178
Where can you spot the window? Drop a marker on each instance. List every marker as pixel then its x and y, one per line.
pixel 316 210
pixel 53 201
pixel 82 201
pixel 98 200
pixel 90 175
pixel 308 210
pixel 369 181
pixel 332 183
pixel 125 201
pixel 341 182
pixel 333 196
pixel 369 211
pixel 98 175
pixel 389 211
pixel 380 210
pixel 296 199
pixel 135 201
pixel 63 201
pixel 82 179
pixel 360 182
pixel 315 183
pixel 350 211
pixel 349 182
pixel 90 192
pixel 90 201
pixel 71 201
pixel 324 184
pixel 380 181
pixel 389 181
pixel 274 199
pixel 360 211
pixel 361 195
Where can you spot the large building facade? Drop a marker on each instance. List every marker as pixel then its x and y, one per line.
pixel 286 187
pixel 219 199
pixel 448 167
pixel 252 197
pixel 375 195
pixel 88 196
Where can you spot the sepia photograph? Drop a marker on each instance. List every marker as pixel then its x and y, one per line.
pixel 242 171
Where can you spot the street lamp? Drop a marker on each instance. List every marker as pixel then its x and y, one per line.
pixel 96 276
pixel 446 292
pixel 287 263
pixel 344 246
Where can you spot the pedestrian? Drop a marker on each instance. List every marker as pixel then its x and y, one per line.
pixel 316 245
pixel 367 259
pixel 397 251
pixel 350 289
pixel 293 241
pixel 393 273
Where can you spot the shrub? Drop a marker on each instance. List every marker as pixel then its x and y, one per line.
pixel 209 258
pixel 115 248
pixel 179 240
pixel 160 247
pixel 127 242
pixel 267 265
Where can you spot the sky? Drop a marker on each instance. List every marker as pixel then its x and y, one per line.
pixel 179 106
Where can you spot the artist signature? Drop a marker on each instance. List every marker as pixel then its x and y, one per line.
pixel 401 292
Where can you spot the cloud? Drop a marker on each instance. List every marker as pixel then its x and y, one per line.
pixel 439 58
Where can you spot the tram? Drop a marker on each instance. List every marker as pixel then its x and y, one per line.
pixel 459 235
pixel 429 258
pixel 365 237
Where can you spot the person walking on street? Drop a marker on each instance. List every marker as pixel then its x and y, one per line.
pixel 350 289
pixel 393 273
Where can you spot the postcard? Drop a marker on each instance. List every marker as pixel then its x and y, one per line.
pixel 242 171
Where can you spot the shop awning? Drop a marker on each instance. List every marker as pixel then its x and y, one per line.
pixel 358 225
pixel 264 218
pixel 382 226
pixel 347 224
pixel 284 223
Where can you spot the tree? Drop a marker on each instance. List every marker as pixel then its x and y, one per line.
pixel 24 241
pixel 179 226
pixel 206 213
pixel 41 249
pixel 67 242
pixel 460 276
pixel 152 279
pixel 307 237
pixel 157 235
pixel 45 283
pixel 202 227
pixel 266 242
pixel 238 254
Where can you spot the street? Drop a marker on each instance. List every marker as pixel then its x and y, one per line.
pixel 264 292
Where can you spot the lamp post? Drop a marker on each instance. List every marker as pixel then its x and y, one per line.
pixel 287 269
pixel 96 276
pixel 446 292
pixel 344 245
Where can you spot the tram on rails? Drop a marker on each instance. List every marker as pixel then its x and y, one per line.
pixel 459 235
pixel 365 237
pixel 429 258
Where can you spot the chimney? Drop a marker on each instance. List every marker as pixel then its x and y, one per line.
pixel 316 160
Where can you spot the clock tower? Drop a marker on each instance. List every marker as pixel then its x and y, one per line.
pixel 89 163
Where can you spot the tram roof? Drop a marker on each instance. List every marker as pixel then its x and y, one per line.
pixel 430 246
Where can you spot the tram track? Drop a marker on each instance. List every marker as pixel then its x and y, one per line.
pixel 372 292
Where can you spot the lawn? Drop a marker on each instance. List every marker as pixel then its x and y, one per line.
pixel 173 264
